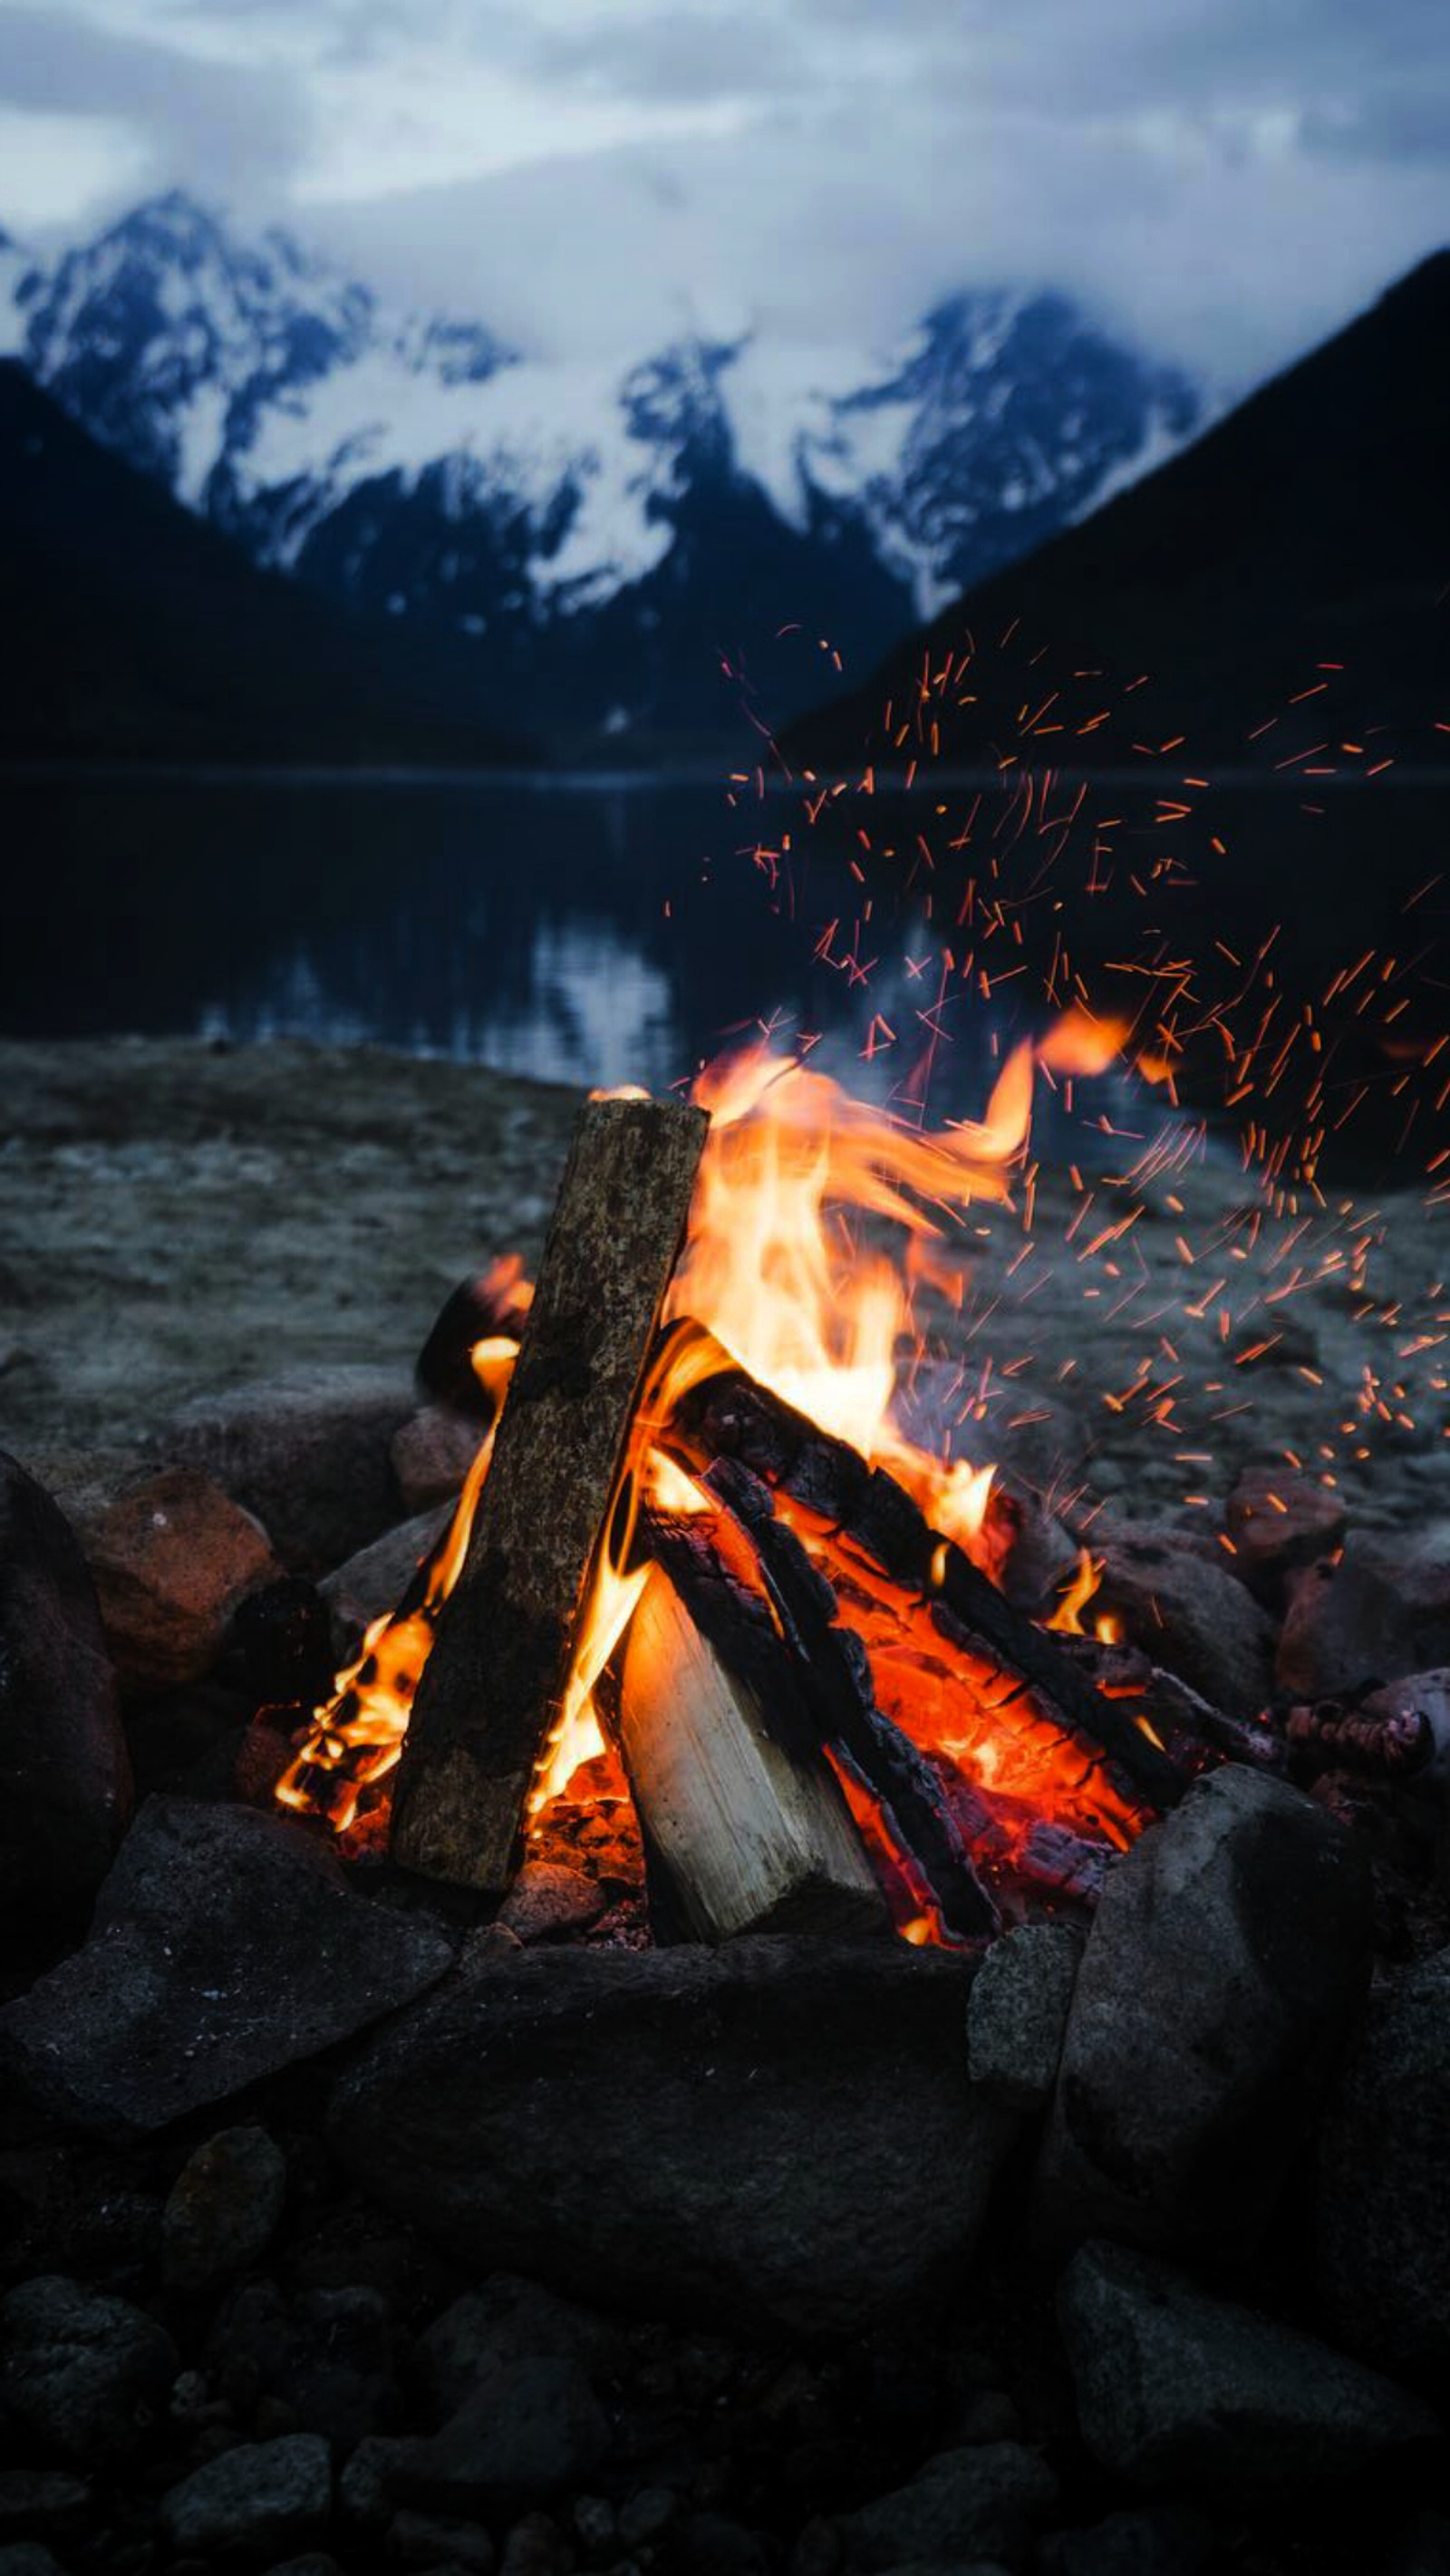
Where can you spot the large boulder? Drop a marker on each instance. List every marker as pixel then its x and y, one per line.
pixel 223 2208
pixel 1383 2214
pixel 375 1580
pixel 172 1558
pixel 1018 2010
pixel 226 1944
pixel 432 1455
pixel 780 2131
pixel 1381 1611
pixel 1179 2390
pixel 1183 1607
pixel 308 1453
pixel 1228 1955
pixel 1279 1523
pixel 965 2506
pixel 83 2373
pixel 257 2497
pixel 65 1778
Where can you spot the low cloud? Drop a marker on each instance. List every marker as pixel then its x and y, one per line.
pixel 1227 177
pixel 230 127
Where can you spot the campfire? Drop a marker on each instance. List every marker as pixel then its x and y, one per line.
pixel 698 1562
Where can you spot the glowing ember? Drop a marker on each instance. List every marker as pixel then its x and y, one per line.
pixel 778 1276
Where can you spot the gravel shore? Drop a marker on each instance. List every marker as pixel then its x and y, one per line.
pixel 177 1218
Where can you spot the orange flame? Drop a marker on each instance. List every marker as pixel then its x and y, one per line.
pixel 775 1277
pixel 776 1271
pixel 1067 1617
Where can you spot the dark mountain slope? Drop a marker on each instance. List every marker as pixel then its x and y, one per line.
pixel 1311 527
pixel 133 631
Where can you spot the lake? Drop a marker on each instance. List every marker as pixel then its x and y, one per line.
pixel 621 929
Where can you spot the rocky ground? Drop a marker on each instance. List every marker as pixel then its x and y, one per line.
pixel 177 1218
pixel 346 2227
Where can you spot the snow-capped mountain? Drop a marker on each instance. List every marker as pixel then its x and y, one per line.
pixel 602 535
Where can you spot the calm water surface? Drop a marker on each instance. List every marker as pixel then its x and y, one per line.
pixel 614 930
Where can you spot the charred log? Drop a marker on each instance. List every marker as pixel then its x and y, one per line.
pixel 835 1675
pixel 493 1684
pixel 478 1310
pixel 1379 1743
pixel 1192 1730
pixel 730 1416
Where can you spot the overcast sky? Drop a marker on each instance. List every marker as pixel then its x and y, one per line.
pixel 1230 177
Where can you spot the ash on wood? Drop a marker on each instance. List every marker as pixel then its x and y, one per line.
pixel 491 1689
pixel 741 1809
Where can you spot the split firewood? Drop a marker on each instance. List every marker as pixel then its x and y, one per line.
pixel 493 1686
pixel 731 1416
pixel 835 1675
pixel 740 1808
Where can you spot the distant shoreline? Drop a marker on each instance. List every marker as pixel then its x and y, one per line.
pixel 593 781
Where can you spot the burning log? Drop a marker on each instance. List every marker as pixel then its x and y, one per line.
pixel 739 1807
pixel 493 1685
pixel 836 1677
pixel 731 1416
pixel 1192 1730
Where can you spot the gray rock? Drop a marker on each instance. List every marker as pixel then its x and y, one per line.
pixel 226 1944
pixel 1279 1523
pixel 531 2431
pixel 313 2562
pixel 1383 1611
pixel 1228 1955
pixel 1176 2389
pixel 711 2545
pixel 988 2415
pixel 372 2479
pixel 308 1452
pixel 1383 2209
pixel 536 2547
pixel 258 2495
pixel 505 2321
pixel 779 2130
pixel 34 2500
pixel 1017 2012
pixel 375 1580
pixel 438 2540
pixel 432 1454
pixel 65 1776
pixel 223 2208
pixel 324 2360
pixel 548 1898
pixel 172 1558
pixel 648 2513
pixel 1156 2540
pixel 981 2503
pixel 1190 1614
pixel 1024 1547
pixel 29 2558
pixel 86 2373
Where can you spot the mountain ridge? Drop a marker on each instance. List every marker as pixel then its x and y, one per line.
pixel 601 537
pixel 1296 555
pixel 136 632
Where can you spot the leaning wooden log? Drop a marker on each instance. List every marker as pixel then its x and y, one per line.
pixel 741 1811
pixel 731 1416
pixel 835 1677
pixel 493 1685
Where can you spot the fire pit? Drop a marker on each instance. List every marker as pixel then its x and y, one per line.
pixel 905 1961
